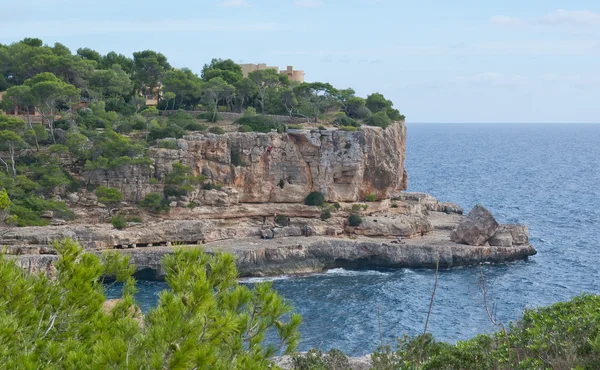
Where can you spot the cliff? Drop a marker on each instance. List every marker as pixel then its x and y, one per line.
pixel 260 175
pixel 278 168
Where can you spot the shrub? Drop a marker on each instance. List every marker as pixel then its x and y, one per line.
pixel 314 198
pixel 295 127
pixel 356 207
pixel 394 205
pixel 537 341
pixel 216 130
pixel 111 197
pixel 192 205
pixel 245 128
pixel 210 117
pixel 354 220
pixel 250 112
pixel 346 121
pixel 282 220
pixel 315 360
pixel 119 222
pixel 135 219
pixel 325 215
pixel 168 144
pixel 348 128
pixel 154 202
pixel 261 124
pixel 337 205
pixel 174 191
pixel 212 186
pixel 379 119
pixel 321 127
pixel 195 126
pixel 371 197
pixel 153 181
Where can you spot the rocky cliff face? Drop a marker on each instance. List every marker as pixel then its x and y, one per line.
pixel 278 168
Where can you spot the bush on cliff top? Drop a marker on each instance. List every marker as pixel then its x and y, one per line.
pixel 261 124
pixel 205 320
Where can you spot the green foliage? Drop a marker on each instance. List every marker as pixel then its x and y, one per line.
pixel 119 222
pixel 342 120
pixel 349 128
pixel 337 205
pixel 167 144
pixel 109 196
pixel 208 116
pixel 314 198
pixel 295 127
pixel 180 180
pixel 261 124
pixel 282 220
pixel 250 112
pixel 325 215
pixel 379 119
pixel 154 202
pixel 135 219
pixel 315 360
pixel 321 127
pixel 205 320
pixel 217 130
pixel 354 220
pixel 564 335
pixel 371 197
pixel 245 128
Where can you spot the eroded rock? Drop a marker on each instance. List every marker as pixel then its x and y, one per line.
pixel 477 228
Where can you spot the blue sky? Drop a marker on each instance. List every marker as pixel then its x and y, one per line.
pixel 438 61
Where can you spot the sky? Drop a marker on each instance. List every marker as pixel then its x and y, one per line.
pixel 471 61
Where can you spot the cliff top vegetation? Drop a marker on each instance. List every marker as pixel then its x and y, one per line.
pixel 91 110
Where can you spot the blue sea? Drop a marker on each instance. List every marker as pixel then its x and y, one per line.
pixel 543 175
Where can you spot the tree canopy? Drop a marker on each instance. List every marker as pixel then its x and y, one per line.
pixel 205 320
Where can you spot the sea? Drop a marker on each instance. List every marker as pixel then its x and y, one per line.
pixel 544 175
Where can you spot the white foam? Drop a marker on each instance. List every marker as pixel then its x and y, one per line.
pixel 256 280
pixel 344 272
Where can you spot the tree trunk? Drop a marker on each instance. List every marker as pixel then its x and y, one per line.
pixel 37 145
pixel 11 149
pixel 6 165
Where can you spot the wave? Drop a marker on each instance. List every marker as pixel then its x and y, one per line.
pixel 343 272
pixel 256 280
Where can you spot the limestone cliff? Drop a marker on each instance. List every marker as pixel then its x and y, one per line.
pixel 278 168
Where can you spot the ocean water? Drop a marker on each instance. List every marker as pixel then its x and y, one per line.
pixel 547 176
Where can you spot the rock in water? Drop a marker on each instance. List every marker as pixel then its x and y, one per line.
pixel 477 228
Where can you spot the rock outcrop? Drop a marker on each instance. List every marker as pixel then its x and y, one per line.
pixel 477 228
pixel 273 167
pixel 256 176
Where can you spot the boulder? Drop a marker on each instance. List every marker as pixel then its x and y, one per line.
pixel 477 228
pixel 519 233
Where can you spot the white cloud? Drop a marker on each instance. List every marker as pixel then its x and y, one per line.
pixel 233 3
pixel 571 17
pixel 502 20
pixel 307 3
